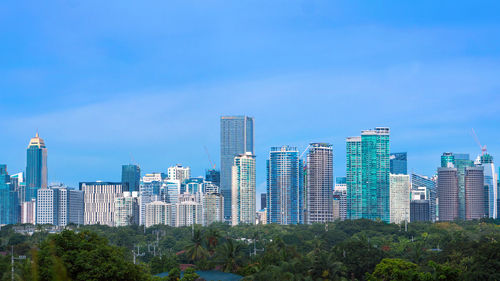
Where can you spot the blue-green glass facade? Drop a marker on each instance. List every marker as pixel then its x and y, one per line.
pixel 398 163
pixel 36 168
pixel 9 201
pixel 284 186
pixel 460 161
pixel 131 175
pixel 353 178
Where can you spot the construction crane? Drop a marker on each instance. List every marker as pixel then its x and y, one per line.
pixel 482 147
pixel 302 155
pixel 208 156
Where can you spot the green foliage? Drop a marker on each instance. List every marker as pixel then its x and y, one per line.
pixel 189 275
pixel 174 274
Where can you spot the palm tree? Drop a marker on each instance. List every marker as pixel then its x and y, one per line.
pixel 212 236
pixel 227 255
pixel 196 250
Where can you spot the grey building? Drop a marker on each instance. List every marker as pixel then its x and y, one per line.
pixel 319 183
pixel 131 175
pixel 236 138
pixel 447 193
pixel 398 162
pixel 474 193
pixel 419 210
pixel 263 200
pixel 431 193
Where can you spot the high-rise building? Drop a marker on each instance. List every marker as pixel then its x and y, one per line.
pixel 263 200
pixel 213 176
pixel 9 200
pixel 398 163
pixel 213 208
pixel 319 183
pixel 75 206
pixel 36 167
pixel 59 205
pixel 159 212
pixel 178 172
pixel 236 138
pixel 419 210
pixel 131 175
pixel 474 193
pixel 284 186
pixel 126 209
pixel 243 189
pixel 261 217
pixel 340 204
pixel 447 160
pixel 399 198
pixel 418 181
pixel 28 211
pixel 447 193
pixel 491 183
pixel 150 189
pixel 47 207
pixel 462 161
pixel 353 178
pixel 99 201
pixel 188 211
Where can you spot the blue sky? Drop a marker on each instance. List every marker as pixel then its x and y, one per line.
pixel 107 81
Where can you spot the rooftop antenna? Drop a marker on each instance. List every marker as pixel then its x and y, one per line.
pixel 482 147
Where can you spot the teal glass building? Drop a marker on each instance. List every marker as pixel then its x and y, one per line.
pixel 367 170
pixel 131 175
pixel 36 167
pixel 9 201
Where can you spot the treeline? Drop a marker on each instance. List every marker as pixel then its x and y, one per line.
pixel 348 250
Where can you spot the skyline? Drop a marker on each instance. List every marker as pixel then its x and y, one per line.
pixel 151 82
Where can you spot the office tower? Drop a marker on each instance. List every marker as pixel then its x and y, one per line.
pixel 491 183
pixel 263 200
pixel 36 167
pixel 340 204
pixel 131 175
pixel 213 208
pixel 194 185
pixel 171 191
pixel 236 138
pixel 447 160
pixel 178 172
pixel 284 186
pixel 9 200
pixel 188 211
pixel 462 161
pixel 150 188
pixel 398 163
pixel 47 207
pixel 75 206
pixel 418 181
pixel 447 193
pixel 210 187
pixel 99 201
pixel 126 209
pixel 320 183
pixel 474 193
pixel 213 176
pixel 353 178
pixel 159 212
pixel 28 211
pixel 419 210
pixel 243 189
pixel 399 198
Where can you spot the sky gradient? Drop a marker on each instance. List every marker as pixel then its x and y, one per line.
pixel 107 83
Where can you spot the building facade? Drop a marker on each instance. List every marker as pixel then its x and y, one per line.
pixel 36 167
pixel 178 172
pixel 243 189
pixel 131 175
pixel 399 198
pixel 99 201
pixel 159 212
pixel 418 181
pixel 491 183
pixel 213 208
pixel 474 193
pixel 126 209
pixel 353 178
pixel 236 138
pixel 284 186
pixel 319 183
pixel 447 193
pixel 9 200
pixel 398 162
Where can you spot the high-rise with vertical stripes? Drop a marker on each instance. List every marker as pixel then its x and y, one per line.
pixel 319 183
pixel 236 137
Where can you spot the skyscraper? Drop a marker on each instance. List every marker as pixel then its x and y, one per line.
pixel 491 183
pixel 9 201
pixel 131 175
pixel 398 163
pixel 474 193
pixel 284 186
pixel 236 138
pixel 418 181
pixel 462 161
pixel 243 189
pixel 126 210
pixel 188 211
pixel 213 176
pixel 263 200
pixel 36 167
pixel 399 198
pixel 353 178
pixel 213 208
pixel 159 212
pixel 447 193
pixel 319 183
pixel 178 172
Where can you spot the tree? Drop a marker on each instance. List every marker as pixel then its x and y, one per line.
pixel 190 275
pixel 227 255
pixel 196 250
pixel 397 269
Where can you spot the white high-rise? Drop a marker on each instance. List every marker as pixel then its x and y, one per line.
pixel 159 212
pixel 99 201
pixel 127 209
pixel 399 198
pixel 213 208
pixel 243 208
pixel 178 172
pixel 188 211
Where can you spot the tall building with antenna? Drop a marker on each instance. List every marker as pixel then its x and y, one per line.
pixel 36 167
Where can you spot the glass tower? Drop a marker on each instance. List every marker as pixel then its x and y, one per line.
pixel 375 168
pixel 131 174
pixel 236 137
pixel 284 186
pixel 9 201
pixel 490 181
pixel 36 167
pixel 430 185
pixel 399 163
pixel 353 178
